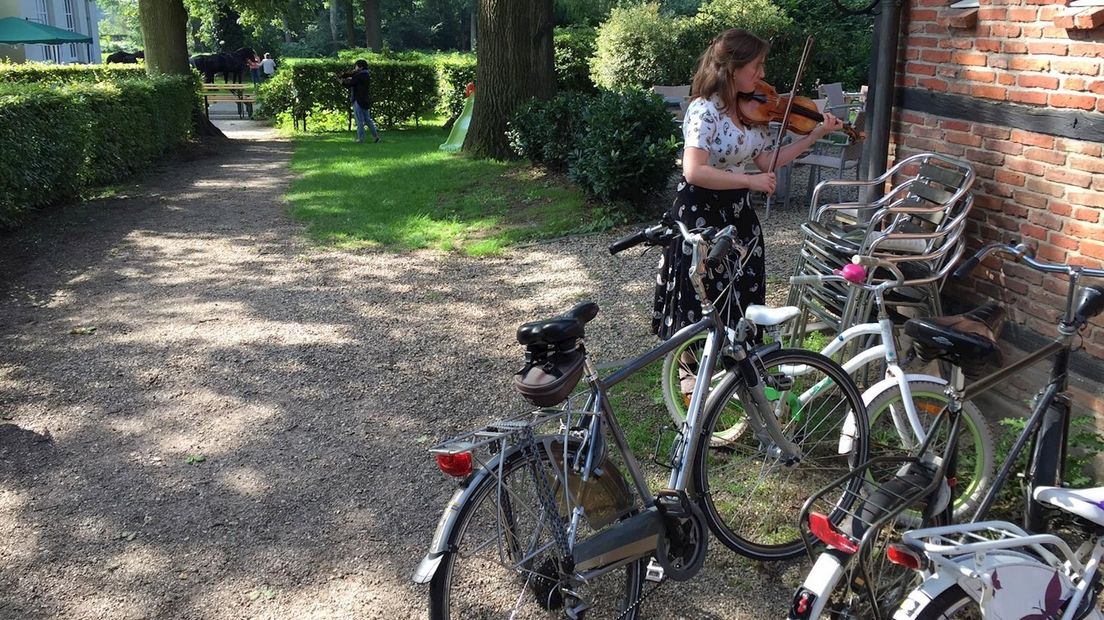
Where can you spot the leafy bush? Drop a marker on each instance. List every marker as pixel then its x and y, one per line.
pixel 762 17
pixel 33 72
pixel 573 48
pixel 454 73
pixel 545 132
pixel 628 146
pixel 635 47
pixel 57 139
pixel 401 90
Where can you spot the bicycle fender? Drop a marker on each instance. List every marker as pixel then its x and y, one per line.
pixel 923 595
pixel 948 575
pixel 813 595
pixel 850 425
pixel 443 535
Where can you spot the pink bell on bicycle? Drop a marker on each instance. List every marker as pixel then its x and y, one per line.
pixel 855 274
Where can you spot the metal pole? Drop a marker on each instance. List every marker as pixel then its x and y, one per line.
pixel 887 29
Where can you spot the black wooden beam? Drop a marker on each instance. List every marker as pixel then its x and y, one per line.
pixel 1076 124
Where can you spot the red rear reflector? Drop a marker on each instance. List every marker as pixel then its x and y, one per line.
pixel 827 533
pixel 458 465
pixel 902 555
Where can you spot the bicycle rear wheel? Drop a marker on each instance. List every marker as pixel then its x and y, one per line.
pixel 504 561
pixel 751 496
pixel 680 367
pixel 951 604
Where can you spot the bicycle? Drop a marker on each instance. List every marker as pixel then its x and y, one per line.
pixel 894 406
pixel 986 567
pixel 544 522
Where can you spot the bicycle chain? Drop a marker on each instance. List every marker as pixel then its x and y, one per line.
pixel 640 600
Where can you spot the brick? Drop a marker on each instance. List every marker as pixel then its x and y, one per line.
pixel 1086 214
pixel 987 45
pixel 1047 220
pixel 1051 32
pixel 976 75
pixel 919 68
pixel 1096 87
pixel 1030 199
pixel 1075 83
pixel 1080 66
pixel 924 15
pixel 1098 183
pixel 1045 155
pixel 932 84
pixel 1031 31
pixel 955 125
pixel 1022 63
pixel 1089 199
pixel 1036 97
pixel 1004 30
pixel 1089 19
pixel 1009 178
pixel 1032 139
pixel 1068 177
pixel 1006 79
pixel 999 190
pixel 986 157
pixel 922 41
pixel 1062 241
pixel 906 81
pixel 1092 149
pixel 1036 184
pixel 935 56
pixel 911 117
pixel 1092 249
pixel 992 131
pixel 1062 209
pixel 998 62
pixel 1050 253
pixel 959 87
pixel 964 19
pixel 1027 166
pixel 1034 80
pixel 1081 230
pixel 999 93
pixel 1014 210
pixel 960 43
pixel 1079 102
pixel 985 201
pixel 1086 50
pixel 1023 14
pixel 1014 47
pixel 1049 48
pixel 1004 146
pixel 972 59
pixel 946 70
pixel 992 14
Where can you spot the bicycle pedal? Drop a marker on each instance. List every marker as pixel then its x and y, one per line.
pixel 654 572
pixel 576 611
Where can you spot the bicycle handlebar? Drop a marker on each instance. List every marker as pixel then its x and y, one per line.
pixel 652 235
pixel 1020 254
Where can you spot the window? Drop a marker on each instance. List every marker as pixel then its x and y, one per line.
pixel 71 26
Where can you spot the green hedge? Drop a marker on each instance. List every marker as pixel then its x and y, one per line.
pixel 58 139
pixel 58 74
pixel 402 90
pixel 573 47
pixel 454 73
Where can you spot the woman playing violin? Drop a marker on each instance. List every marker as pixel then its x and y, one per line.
pixel 714 188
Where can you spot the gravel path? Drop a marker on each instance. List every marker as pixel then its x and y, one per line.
pixel 206 417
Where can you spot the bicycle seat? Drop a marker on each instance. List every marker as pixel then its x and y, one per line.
pixel 967 340
pixel 1085 503
pixel 765 316
pixel 566 327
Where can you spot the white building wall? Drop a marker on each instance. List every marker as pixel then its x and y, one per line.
pixel 85 20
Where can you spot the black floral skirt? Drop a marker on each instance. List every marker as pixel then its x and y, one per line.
pixel 731 286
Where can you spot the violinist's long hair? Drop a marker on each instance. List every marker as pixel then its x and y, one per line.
pixel 730 50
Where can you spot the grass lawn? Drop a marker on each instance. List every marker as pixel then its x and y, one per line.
pixel 405 193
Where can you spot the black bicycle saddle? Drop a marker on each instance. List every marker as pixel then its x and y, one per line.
pixel 567 326
pixel 967 340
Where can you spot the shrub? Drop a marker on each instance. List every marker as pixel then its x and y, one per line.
pixel 401 90
pixel 58 139
pixel 634 49
pixel 33 72
pixel 573 47
pixel 454 73
pixel 545 132
pixel 628 147
pixel 762 17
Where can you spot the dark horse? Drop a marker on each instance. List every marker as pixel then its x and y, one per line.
pixel 125 58
pixel 229 64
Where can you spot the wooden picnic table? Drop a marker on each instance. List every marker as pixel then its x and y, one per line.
pixel 228 93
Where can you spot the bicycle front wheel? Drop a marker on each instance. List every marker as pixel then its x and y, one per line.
pixel 751 493
pixel 505 561
pixel 680 369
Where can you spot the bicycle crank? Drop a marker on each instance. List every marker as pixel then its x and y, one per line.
pixel 681 553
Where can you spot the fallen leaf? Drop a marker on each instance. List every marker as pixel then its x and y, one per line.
pixel 195 458
pixel 83 331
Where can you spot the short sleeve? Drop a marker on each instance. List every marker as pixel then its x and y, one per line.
pixel 699 126
pixel 765 142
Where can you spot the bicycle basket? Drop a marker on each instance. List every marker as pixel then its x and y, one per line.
pixel 549 377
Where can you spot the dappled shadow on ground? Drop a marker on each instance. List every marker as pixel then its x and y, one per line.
pixel 206 417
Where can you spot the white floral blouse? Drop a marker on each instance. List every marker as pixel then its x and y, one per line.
pixel 730 147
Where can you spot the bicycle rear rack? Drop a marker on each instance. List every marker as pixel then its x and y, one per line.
pixel 509 430
pixel 978 538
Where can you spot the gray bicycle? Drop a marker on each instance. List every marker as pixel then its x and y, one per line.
pixel 544 523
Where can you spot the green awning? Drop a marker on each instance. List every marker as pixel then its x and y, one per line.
pixel 15 30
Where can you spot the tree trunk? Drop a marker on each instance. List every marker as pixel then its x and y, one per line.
pixel 287 30
pixel 165 36
pixel 472 23
pixel 372 25
pixel 164 32
pixel 514 64
pixel 350 22
pixel 333 23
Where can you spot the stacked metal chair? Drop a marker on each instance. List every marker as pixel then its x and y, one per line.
pixel 917 224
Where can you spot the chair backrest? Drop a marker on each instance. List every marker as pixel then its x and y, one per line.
pixel 676 98
pixel 833 93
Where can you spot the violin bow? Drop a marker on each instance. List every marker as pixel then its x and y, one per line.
pixel 786 117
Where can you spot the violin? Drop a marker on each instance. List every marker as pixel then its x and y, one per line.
pixel 765 105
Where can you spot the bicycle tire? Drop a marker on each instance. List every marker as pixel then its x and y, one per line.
pixel 951 604
pixel 486 587
pixel 681 362
pixel 1046 465
pixel 977 448
pixel 759 518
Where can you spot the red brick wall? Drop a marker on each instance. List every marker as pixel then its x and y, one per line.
pixel 1045 190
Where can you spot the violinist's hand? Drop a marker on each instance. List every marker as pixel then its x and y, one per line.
pixel 830 124
pixel 762 182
